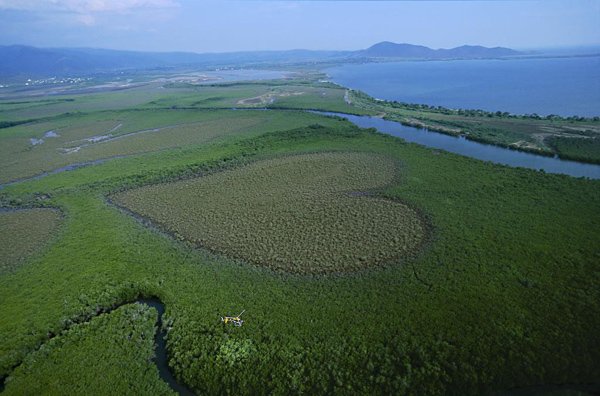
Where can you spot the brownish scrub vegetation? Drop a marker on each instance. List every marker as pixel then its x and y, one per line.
pixel 24 233
pixel 308 213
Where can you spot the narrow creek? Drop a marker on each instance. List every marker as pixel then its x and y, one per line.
pixel 160 353
pixel 161 356
pixel 62 169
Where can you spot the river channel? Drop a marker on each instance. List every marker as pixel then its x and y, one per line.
pixel 161 357
pixel 469 148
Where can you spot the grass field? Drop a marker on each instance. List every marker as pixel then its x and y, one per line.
pixel 504 294
pixel 292 94
pixel 40 107
pixel 90 137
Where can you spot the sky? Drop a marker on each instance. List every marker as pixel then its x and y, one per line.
pixel 225 26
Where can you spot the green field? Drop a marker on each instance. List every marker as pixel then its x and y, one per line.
pixel 492 283
pixel 96 136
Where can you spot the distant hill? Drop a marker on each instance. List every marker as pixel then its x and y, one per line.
pixel 20 60
pixel 29 61
pixel 386 49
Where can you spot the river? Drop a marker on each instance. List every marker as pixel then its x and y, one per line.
pixel 161 358
pixel 469 148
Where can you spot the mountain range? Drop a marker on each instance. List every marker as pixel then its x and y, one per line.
pixel 20 60
pixel 386 49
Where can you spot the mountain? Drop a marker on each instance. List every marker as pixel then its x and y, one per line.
pixel 29 61
pixel 20 60
pixel 386 49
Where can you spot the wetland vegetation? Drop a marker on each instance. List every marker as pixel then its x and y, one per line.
pixel 310 213
pixel 491 283
pixel 125 367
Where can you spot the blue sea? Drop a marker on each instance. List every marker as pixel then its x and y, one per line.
pixel 563 86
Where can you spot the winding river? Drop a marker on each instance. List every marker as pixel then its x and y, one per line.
pixel 469 148
pixel 161 358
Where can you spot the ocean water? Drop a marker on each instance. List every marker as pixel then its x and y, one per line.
pixel 563 86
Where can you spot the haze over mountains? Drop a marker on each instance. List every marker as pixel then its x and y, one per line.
pixel 18 60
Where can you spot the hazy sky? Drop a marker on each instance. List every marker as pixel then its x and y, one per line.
pixel 219 26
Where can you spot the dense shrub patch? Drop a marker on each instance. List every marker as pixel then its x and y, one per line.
pixel 88 366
